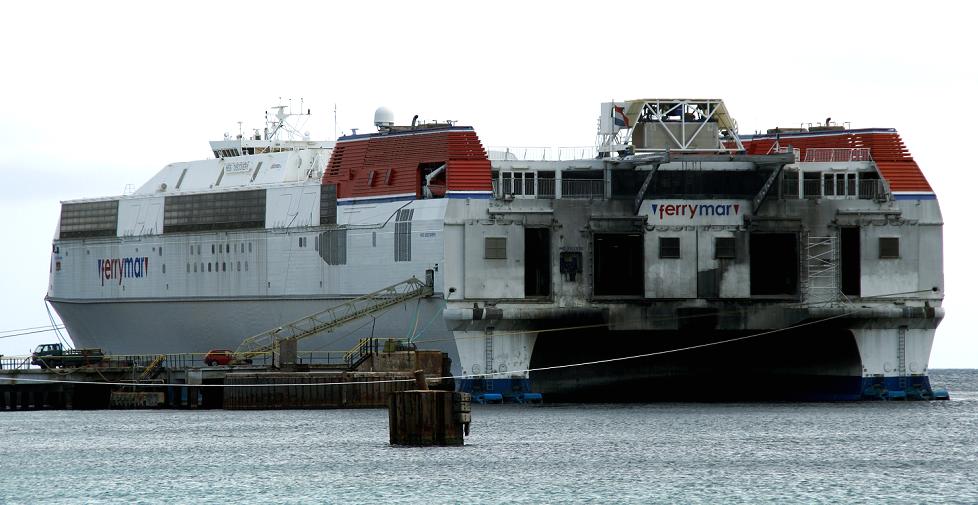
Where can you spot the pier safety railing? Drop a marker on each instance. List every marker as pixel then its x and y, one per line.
pixel 365 348
pixel 140 362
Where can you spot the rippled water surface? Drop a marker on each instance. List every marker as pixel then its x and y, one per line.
pixel 658 453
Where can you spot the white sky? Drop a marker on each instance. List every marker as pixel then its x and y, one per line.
pixel 99 95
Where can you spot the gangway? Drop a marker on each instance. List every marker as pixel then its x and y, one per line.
pixel 336 316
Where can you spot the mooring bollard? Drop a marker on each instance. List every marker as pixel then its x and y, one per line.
pixel 425 417
pixel 420 381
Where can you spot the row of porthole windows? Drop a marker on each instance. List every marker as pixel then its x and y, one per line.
pixel 218 248
pixel 213 267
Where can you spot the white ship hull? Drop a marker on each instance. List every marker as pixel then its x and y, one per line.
pixel 197 326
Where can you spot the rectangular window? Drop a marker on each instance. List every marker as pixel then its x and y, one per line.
pixel 495 248
pixel 669 247
pixel 829 185
pixel 810 184
pixel 889 247
pixel 790 186
pixel 89 219
pixel 725 248
pixel 333 246
pixel 327 204
pixel 402 235
pixel 214 211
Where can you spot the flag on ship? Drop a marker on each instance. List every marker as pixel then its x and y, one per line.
pixel 621 120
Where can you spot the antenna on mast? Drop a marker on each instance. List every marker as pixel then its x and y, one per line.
pixel 334 121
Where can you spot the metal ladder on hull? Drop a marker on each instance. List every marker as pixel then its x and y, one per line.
pixel 902 357
pixel 489 363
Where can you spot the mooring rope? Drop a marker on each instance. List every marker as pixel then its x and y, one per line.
pixel 464 376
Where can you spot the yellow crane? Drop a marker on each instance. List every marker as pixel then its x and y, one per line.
pixel 336 316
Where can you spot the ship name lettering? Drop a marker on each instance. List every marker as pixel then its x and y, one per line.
pixel 122 268
pixel 236 166
pixel 692 210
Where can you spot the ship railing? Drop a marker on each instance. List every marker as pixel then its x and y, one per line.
pixel 506 153
pixel 833 154
pixel 811 189
pixel 871 189
pixel 546 188
pixel 776 149
pixel 864 189
pixel 582 188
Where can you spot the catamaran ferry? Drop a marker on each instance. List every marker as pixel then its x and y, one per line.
pixel 676 259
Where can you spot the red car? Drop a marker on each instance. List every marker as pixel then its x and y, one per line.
pixel 218 357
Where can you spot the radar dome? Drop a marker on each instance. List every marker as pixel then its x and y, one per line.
pixel 383 117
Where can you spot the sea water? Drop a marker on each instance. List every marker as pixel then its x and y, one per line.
pixel 868 452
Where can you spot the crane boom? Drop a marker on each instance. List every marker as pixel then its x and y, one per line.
pixel 335 316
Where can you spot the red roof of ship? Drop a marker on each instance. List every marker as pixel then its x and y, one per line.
pixel 392 163
pixel 895 163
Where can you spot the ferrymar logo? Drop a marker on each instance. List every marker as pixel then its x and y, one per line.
pixel 693 210
pixel 119 268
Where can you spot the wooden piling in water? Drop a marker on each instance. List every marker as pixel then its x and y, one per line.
pixel 424 417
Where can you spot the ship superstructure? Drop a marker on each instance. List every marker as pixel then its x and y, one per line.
pixel 679 258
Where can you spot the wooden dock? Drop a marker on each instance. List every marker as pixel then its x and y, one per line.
pixel 244 387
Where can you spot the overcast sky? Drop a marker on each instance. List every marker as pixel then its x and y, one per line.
pixel 100 95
